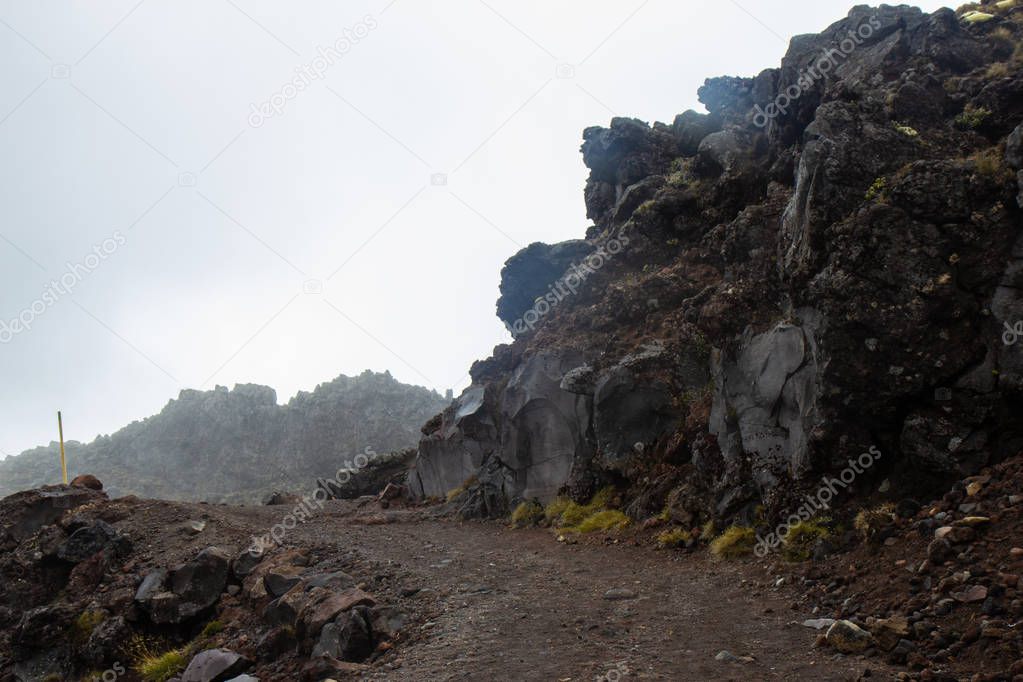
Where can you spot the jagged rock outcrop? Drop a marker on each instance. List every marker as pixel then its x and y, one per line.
pixel 824 263
pixel 240 445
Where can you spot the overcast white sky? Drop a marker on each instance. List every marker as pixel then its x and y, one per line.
pixel 317 242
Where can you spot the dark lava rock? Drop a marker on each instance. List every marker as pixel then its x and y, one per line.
pixel 86 542
pixel 215 665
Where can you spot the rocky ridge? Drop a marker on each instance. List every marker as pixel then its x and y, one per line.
pixel 824 263
pixel 239 445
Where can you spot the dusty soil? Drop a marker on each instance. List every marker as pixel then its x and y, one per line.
pixel 518 604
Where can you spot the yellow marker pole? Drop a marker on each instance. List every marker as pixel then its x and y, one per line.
pixel 63 460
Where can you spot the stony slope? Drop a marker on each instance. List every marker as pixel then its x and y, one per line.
pixel 823 264
pixel 239 445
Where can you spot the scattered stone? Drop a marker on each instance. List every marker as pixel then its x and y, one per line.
pixel 279 583
pixel 85 542
pixel 619 593
pixel 848 638
pixel 888 631
pixel 972 594
pixel 86 481
pixel 195 527
pixel 726 657
pixel 214 665
pixel 819 623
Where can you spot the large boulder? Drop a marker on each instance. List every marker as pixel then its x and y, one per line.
pixel 200 582
pixel 26 512
pixel 87 541
pixel 215 665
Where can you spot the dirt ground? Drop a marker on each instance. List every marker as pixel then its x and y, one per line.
pixel 489 602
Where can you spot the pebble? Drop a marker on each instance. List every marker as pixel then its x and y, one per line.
pixel 616 593
pixel 726 657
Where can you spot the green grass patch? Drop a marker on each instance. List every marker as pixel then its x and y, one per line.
pixel 161 667
pixel 798 543
pixel 608 519
pixel 735 542
pixel 528 513
pixel 586 518
pixel 676 537
pixel 85 623
pixel 212 628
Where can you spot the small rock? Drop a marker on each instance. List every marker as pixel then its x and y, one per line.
pixel 726 657
pixel 848 637
pixel 819 623
pixel 616 593
pixel 214 665
pixel 87 481
pixel 195 527
pixel 973 521
pixel 1016 552
pixel 973 593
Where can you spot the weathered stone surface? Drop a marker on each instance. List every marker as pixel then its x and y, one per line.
pixel 347 638
pixel 848 637
pixel 214 665
pixel 87 481
pixel 86 542
pixel 528 275
pixel 200 582
pixel 26 512
pixel 314 616
pixel 765 404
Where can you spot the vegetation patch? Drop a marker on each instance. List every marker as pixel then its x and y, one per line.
pixel 160 667
pixel 972 117
pixel 869 522
pixel 676 537
pixel 528 513
pixel 460 490
pixel 735 542
pixel 586 518
pixel 212 628
pixel 608 519
pixel 85 624
pixel 877 190
pixel 798 543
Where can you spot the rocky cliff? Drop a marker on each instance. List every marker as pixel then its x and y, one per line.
pixel 238 445
pixel 827 261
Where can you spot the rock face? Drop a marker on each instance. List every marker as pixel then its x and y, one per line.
pixel 195 447
pixel 824 263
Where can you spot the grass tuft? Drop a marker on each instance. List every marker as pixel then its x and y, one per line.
pixel 870 521
pixel 735 542
pixel 798 543
pixel 527 513
pixel 608 519
pixel 160 667
pixel 676 537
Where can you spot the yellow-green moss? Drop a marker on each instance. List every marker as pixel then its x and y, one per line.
pixel 707 530
pixel 161 667
pixel 877 189
pixel 556 508
pixel 869 521
pixel 972 117
pixel 608 519
pixel 907 130
pixel 457 492
pixel 212 628
pixel 85 623
pixel 676 537
pixel 527 513
pixel 735 542
pixel 798 543
pixel 586 518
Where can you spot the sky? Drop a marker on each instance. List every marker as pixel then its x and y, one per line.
pixel 206 192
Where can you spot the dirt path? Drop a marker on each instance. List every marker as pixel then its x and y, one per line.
pixel 495 603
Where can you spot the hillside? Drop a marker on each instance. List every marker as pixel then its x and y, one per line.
pixel 239 445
